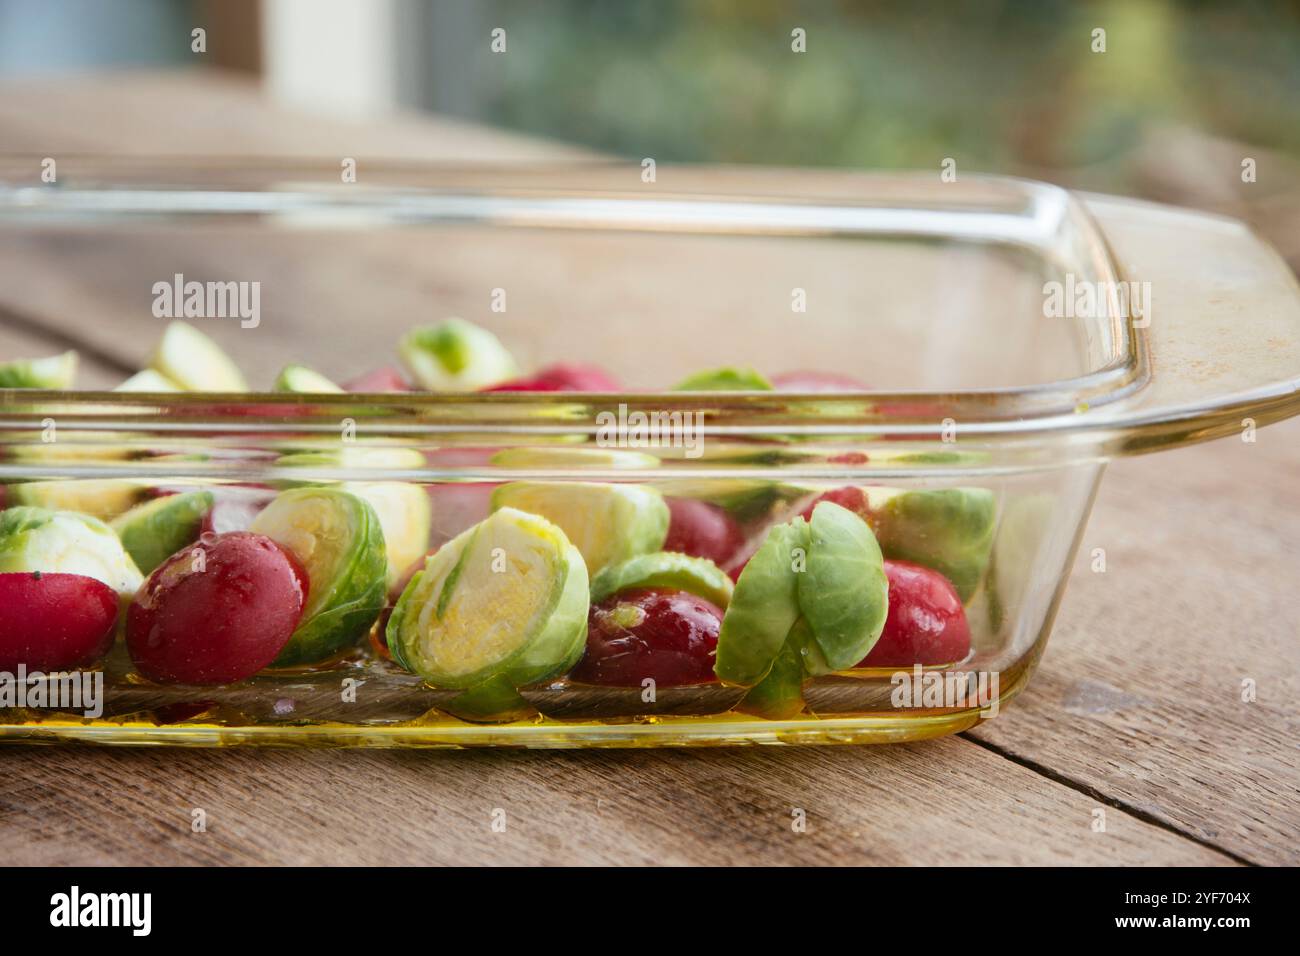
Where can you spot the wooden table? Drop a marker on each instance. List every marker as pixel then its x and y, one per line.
pixel 1136 711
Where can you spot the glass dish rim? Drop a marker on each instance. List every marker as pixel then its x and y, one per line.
pixel 1084 415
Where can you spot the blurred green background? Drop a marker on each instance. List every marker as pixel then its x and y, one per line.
pixel 1183 93
pixel 997 85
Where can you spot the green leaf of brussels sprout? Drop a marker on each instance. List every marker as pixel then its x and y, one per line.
pixel 844 594
pixel 763 608
pixel 665 569
pixel 494 701
pixel 779 695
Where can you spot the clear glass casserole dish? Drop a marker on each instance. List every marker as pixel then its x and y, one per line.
pixel 1012 336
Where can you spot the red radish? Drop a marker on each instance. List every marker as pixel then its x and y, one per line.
pixel 560 378
pixel 216 613
pixel 54 621
pixel 850 496
pixel 668 636
pixel 817 382
pixel 703 530
pixel 926 623
pixel 386 379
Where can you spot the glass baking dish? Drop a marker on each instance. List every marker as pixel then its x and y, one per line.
pixel 1013 337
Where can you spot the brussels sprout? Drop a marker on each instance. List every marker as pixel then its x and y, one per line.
pixel 61 542
pixel 607 523
pixel 405 516
pixel 455 355
pixel 195 362
pixel 844 594
pixel 779 695
pixel 504 603
pixel 763 608
pixel 947 529
pixel 338 540
pixel 56 372
pixel 494 701
pixel 724 380
pixel 103 498
pixel 665 569
pixel 611 458
pixel 375 458
pixel 827 576
pixel 745 499
pixel 148 380
pixel 154 531
pixel 299 378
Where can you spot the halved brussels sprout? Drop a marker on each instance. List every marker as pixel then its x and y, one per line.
pixel 194 362
pixel 502 604
pixel 611 458
pixel 55 372
pixel 148 380
pixel 724 380
pixel 455 356
pixel 337 538
pixel 406 517
pixel 947 529
pixel 376 458
pixel 299 378
pixel 62 542
pixel 607 523
pixel 154 531
pixel 665 569
pixel 104 498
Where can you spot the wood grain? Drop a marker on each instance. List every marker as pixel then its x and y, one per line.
pixel 1140 693
pixel 1136 710
pixel 943 802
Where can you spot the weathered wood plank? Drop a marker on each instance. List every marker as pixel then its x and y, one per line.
pixel 1139 695
pixel 943 802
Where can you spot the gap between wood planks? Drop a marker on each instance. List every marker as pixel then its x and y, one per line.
pixel 1094 794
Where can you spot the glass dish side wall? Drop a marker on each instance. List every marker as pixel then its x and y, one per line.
pixel 1038 518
